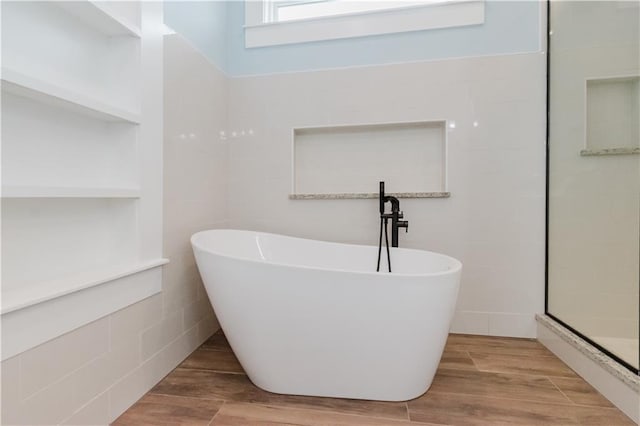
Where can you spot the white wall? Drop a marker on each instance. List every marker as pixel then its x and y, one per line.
pixel 92 374
pixel 494 220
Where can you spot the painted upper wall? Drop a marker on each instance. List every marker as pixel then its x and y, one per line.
pixel 510 27
pixel 217 29
pixel 203 24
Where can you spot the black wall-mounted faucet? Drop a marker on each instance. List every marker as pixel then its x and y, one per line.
pixel 395 215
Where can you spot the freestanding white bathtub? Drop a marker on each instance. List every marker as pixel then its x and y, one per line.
pixel 307 317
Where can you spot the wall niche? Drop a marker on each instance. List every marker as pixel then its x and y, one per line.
pixel 348 161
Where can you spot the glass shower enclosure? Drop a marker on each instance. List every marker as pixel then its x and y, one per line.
pixel 593 232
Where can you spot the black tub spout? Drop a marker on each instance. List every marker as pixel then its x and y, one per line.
pixel 395 215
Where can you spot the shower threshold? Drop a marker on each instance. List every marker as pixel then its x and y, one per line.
pixel 613 380
pixel 626 349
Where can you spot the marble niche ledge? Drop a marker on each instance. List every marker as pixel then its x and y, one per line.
pixel 367 195
pixel 609 151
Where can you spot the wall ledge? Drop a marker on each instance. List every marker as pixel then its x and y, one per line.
pixel 609 151
pixel 28 325
pixel 367 195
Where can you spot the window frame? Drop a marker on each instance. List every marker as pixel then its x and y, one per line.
pixel 443 14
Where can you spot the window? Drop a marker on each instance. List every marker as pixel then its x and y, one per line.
pixel 274 22
pixel 289 10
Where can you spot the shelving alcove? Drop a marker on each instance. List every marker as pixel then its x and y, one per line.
pixel 81 164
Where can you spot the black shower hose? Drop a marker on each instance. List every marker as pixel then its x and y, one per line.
pixel 383 223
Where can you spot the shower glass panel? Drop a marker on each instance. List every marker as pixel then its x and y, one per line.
pixel 594 172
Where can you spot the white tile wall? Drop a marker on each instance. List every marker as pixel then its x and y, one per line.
pixel 161 334
pixel 10 391
pixel 92 374
pixel 95 412
pixel 494 220
pixel 46 364
pixel 127 324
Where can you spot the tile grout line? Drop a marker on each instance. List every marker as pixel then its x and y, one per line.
pixel 208 369
pixel 151 392
pixel 473 361
pixel 214 371
pixel 321 411
pixel 219 409
pixel 218 350
pixel 508 373
pixel 536 401
pixel 560 390
pixel 522 374
pixel 600 407
pixel 182 396
pixel 67 376
pixel 488 353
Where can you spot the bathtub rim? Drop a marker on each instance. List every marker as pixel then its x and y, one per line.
pixel 457 264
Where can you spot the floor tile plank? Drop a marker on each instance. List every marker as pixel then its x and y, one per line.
pixel 496 345
pixel 601 417
pixel 243 414
pixel 457 360
pixel 223 361
pixel 453 409
pixel 163 410
pixel 238 388
pixel 499 385
pixel 217 342
pixel 580 392
pixel 540 365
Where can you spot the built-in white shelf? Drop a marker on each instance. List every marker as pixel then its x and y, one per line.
pixel 82 227
pixel 21 84
pixel 97 17
pixel 67 192
pixel 33 294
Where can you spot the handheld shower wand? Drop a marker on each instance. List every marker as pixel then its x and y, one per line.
pixel 384 220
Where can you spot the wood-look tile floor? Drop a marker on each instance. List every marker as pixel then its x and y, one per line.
pixel 480 381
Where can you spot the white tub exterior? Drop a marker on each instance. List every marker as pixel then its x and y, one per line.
pixel 307 317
